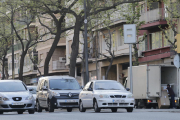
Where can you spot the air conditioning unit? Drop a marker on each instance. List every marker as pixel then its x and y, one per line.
pixel 62 59
pixel 140 53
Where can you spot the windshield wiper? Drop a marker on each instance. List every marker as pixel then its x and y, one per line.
pixel 101 89
pixel 56 89
pixel 114 89
pixel 68 89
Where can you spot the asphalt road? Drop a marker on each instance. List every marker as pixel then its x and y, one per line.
pixel 137 114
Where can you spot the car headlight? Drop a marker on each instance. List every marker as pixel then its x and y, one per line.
pixel 4 99
pixel 29 97
pixel 104 96
pixel 55 93
pixel 130 96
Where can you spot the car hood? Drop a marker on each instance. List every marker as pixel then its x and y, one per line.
pixel 112 92
pixel 67 91
pixel 22 94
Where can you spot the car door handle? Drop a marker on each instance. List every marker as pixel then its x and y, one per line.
pixel 86 94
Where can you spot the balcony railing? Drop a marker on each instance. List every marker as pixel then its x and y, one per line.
pixel 154 15
pixel 26 68
pixel 57 65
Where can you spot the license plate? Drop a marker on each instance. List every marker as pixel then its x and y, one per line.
pixel 18 103
pixel 118 101
pixel 70 101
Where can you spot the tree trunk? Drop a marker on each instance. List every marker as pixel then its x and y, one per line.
pixel 75 48
pixel 106 77
pixel 21 65
pixel 136 62
pixel 51 51
pixel 3 67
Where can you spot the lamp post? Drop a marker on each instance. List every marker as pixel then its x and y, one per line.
pixel 85 44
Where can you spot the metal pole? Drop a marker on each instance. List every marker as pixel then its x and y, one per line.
pixel 130 61
pixel 85 43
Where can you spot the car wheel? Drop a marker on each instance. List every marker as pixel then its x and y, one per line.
pixel 31 111
pixel 50 107
pixel 46 109
pixel 69 109
pixel 20 112
pixel 114 109
pixel 81 108
pixel 96 108
pixel 1 112
pixel 129 109
pixel 38 107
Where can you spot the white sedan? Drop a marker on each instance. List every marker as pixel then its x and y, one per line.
pixel 103 94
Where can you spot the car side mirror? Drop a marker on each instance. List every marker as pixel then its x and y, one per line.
pixel 30 89
pixel 44 88
pixel 89 89
pixel 127 89
pixel 82 87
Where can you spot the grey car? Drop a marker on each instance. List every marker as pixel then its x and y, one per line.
pixel 14 96
pixel 32 90
pixel 57 92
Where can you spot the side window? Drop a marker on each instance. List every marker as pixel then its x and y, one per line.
pixel 41 84
pixel 87 86
pixel 46 83
pixel 91 86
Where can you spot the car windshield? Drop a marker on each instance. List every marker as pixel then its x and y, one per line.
pixel 12 87
pixel 108 85
pixel 33 89
pixel 64 84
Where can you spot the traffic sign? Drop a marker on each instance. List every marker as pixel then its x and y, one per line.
pixel 176 61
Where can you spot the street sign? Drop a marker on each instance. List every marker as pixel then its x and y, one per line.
pixel 130 33
pixel 176 61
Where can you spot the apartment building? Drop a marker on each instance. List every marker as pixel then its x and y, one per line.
pixel 156 49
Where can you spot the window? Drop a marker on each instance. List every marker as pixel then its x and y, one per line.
pixel 170 34
pixel 143 44
pixel 114 40
pixel 41 59
pixel 91 86
pixel 120 39
pixel 155 40
pixel 46 84
pixel 69 46
pixel 86 86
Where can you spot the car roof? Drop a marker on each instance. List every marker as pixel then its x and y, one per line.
pixel 56 77
pixel 10 81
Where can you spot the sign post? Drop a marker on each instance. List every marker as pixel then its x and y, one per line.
pixel 130 38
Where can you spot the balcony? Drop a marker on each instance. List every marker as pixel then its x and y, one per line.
pixel 154 18
pixel 156 54
pixel 57 65
pixel 27 68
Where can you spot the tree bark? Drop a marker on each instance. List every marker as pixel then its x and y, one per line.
pixel 22 65
pixel 111 61
pixel 3 68
pixel 52 49
pixel 75 47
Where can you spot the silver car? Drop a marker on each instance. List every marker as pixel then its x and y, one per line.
pixel 105 94
pixel 32 90
pixel 14 96
pixel 55 92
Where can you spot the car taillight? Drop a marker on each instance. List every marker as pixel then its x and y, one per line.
pixel 149 101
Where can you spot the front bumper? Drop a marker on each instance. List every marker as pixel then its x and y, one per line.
pixel 115 102
pixel 64 103
pixel 8 105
